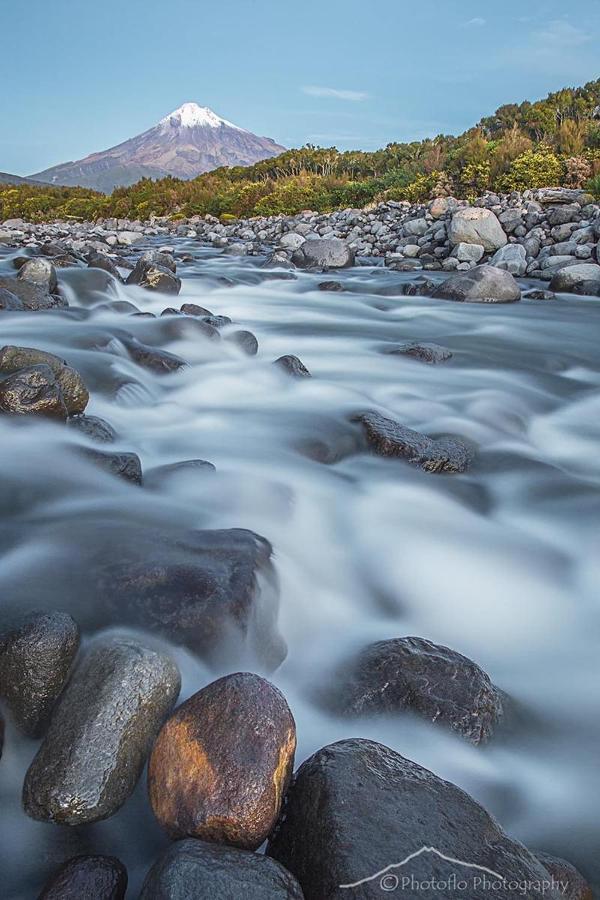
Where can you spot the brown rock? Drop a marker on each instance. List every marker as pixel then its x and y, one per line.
pixel 74 392
pixel 222 763
pixel 87 878
pixel 577 887
pixel 33 391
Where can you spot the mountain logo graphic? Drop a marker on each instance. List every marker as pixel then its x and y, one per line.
pixel 389 882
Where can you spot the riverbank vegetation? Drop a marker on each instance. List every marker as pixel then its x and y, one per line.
pixel 555 141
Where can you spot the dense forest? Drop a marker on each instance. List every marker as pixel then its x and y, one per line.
pixel 555 141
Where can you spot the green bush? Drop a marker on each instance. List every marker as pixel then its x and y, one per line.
pixel 533 169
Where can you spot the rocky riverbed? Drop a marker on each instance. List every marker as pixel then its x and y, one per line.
pixel 298 566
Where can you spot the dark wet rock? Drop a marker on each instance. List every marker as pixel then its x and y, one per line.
pixel 332 286
pixel 222 762
pixel 292 365
pixel 425 352
pixel 88 878
pixel 152 358
pixel 74 392
pixel 325 253
pixel 148 260
pixel 483 284
pixel 123 465
pixel 217 321
pixel 539 295
pixel 357 807
pixel 33 296
pixel 245 341
pixel 186 327
pixel 36 654
pixel 414 675
pixel 573 884
pixel 124 307
pixel 8 300
pixel 156 476
pixel 97 260
pixel 213 591
pixel 421 287
pixel 101 731
pixel 171 311
pixel 387 437
pixel 19 261
pixel 33 391
pixel 193 868
pixel 192 309
pixel 41 272
pixel 158 278
pixel 94 428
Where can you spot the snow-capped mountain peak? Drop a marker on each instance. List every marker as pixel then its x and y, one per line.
pixel 190 115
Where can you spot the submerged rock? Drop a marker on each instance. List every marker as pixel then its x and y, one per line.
pixel 151 357
pixel 357 807
pixel 222 762
pixel 8 300
pixel 483 284
pixel 94 428
pixel 331 286
pixel 414 675
pixel 291 365
pixel 245 341
pixel 425 352
pixel 123 465
pixel 156 476
pixel 193 868
pixel 88 878
pixel 36 654
pixel 33 391
pixel 100 733
pixel 388 438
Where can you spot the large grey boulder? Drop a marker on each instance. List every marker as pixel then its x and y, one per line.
pixel 416 227
pixel 360 818
pixel 101 732
pixel 483 284
pixel 577 279
pixel 40 271
pixel 291 241
pixel 326 253
pixel 512 258
pixel 472 225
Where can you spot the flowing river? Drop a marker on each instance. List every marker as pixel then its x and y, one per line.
pixel 501 563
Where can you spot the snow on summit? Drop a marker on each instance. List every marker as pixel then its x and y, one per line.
pixel 190 115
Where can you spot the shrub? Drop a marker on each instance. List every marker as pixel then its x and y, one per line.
pixel 533 169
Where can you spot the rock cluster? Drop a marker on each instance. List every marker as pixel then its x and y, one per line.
pixel 538 233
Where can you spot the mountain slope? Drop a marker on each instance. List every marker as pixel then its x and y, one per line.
pixel 191 140
pixel 5 178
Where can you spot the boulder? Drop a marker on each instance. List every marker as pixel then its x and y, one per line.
pixel 122 464
pixel 512 258
pixel 192 868
pixel 561 195
pixel 416 227
pixel 468 252
pixel 359 814
pixel 33 296
pixel 88 878
pixel 75 393
pixel 577 279
pixel 97 260
pixel 424 352
pixel 291 241
pixel 192 309
pixel 36 654
pixel 152 358
pixel 331 286
pixel 222 763
pixel 41 272
pixel 573 884
pixel 157 278
pixel 439 207
pixel 325 253
pixel 293 366
pixel 245 341
pixel 414 675
pixel 33 391
pixel 473 225
pixel 387 437
pixel 94 428
pixel 128 238
pixel 100 733
pixel 483 284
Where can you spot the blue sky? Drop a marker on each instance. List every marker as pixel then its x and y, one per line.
pixel 79 75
